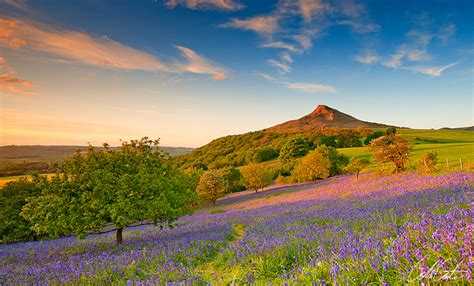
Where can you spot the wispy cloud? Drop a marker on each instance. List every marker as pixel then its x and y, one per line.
pixel 199 65
pixel 226 5
pixel 309 8
pixel 259 24
pixel 78 47
pixel 413 49
pixel 9 81
pixel 301 86
pixel 281 67
pixel 368 59
pixel 281 45
pixel 432 71
pixel 310 87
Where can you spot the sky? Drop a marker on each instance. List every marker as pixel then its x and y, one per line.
pixel 189 71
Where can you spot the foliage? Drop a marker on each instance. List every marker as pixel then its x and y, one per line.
pixel 391 130
pixel 234 179
pixel 257 176
pixel 294 148
pixel 338 161
pixel 118 187
pixel 430 159
pixel 265 154
pixel 213 184
pixel 13 197
pixel 391 148
pixel 312 167
pixel 374 135
pixel 357 165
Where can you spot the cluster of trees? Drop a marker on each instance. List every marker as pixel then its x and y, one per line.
pixel 262 146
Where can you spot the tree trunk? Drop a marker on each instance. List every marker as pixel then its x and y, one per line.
pixel 119 235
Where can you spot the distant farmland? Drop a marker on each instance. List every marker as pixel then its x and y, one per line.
pixel 22 160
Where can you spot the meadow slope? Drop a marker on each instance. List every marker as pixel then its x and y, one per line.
pixel 395 229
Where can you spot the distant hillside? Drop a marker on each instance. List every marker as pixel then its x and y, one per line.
pixel 469 128
pixel 21 160
pixel 323 117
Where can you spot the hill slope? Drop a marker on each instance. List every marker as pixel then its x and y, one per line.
pixel 323 117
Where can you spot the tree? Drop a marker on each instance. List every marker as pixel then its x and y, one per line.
pixel 391 130
pixel 257 176
pixel 234 179
pixel 294 148
pixel 338 161
pixel 136 183
pixel 312 167
pixel 213 184
pixel 391 148
pixel 357 165
pixel 372 136
pixel 13 195
pixel 430 159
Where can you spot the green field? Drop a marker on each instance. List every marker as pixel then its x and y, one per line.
pixel 461 146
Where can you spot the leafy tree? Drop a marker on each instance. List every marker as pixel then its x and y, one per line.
pixel 391 130
pixel 312 167
pixel 294 148
pixel 136 183
pixel 234 179
pixel 357 165
pixel 257 176
pixel 430 159
pixel 213 184
pixel 13 195
pixel 372 136
pixel 391 148
pixel 338 161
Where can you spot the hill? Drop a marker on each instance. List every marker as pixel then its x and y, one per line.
pixel 325 125
pixel 323 117
pixel 468 128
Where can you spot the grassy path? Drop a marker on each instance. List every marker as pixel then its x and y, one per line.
pixel 212 271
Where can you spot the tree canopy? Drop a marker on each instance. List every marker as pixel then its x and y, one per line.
pixel 257 176
pixel 213 184
pixel 312 167
pixel 121 187
pixel 391 148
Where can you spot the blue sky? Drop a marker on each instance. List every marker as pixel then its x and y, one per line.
pixel 189 71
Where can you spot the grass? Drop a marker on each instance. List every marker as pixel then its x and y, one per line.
pixel 452 151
